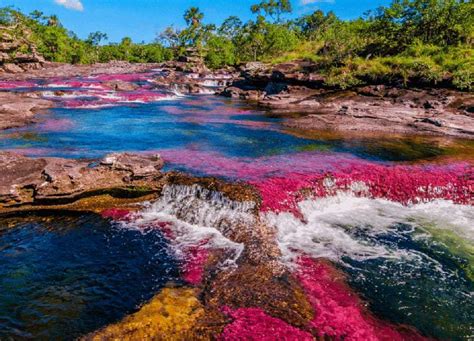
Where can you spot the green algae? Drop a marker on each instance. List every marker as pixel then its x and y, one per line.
pixel 456 245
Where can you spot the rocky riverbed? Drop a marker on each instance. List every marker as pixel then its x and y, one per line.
pixel 272 234
pixel 288 90
pixel 293 90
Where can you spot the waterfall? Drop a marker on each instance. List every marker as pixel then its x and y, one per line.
pixel 196 215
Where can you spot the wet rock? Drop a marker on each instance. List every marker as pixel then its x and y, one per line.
pixel 121 85
pixel 62 181
pixel 171 315
pixel 278 294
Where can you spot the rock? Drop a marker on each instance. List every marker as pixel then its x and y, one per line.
pixel 137 165
pixel 19 109
pixel 432 121
pixel 4 57
pixel 121 85
pixel 12 68
pixel 9 46
pixel 17 175
pixel 54 180
pixel 275 88
pixel 372 91
pixel 237 93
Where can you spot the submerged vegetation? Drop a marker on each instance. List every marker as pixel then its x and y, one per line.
pixel 423 41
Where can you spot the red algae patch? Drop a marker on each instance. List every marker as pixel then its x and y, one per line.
pixel 196 258
pixel 340 313
pixel 254 324
pixel 116 214
pixel 403 184
pixel 322 175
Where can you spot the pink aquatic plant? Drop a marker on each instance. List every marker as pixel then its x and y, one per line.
pixel 255 324
pixel 404 184
pixel 17 84
pixel 339 313
pixel 195 260
pixel 116 214
pixel 322 174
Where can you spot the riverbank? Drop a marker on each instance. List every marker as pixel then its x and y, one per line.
pixel 295 220
pixel 289 90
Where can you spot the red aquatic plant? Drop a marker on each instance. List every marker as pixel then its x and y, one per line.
pixel 404 184
pixel 195 261
pixel 116 214
pixel 255 324
pixel 339 312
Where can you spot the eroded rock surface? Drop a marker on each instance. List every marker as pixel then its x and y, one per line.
pixel 296 89
pixel 18 109
pixel 54 180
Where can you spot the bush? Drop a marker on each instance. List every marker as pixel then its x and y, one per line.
pixel 220 52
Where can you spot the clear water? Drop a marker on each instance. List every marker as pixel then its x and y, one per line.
pixel 431 291
pixel 61 273
pixel 64 276
pixel 202 123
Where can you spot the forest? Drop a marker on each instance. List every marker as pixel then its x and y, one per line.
pixel 427 39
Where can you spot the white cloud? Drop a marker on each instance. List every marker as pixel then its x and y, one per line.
pixel 310 2
pixel 71 4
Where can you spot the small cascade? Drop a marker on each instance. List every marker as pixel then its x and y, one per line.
pixel 196 216
pixel 199 206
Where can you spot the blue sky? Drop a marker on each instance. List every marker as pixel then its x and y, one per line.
pixel 143 19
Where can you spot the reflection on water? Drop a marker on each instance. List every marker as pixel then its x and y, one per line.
pixel 205 124
pixel 64 276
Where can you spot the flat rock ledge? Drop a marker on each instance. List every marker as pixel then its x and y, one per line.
pixel 19 109
pixel 50 181
pixel 296 91
pixel 119 179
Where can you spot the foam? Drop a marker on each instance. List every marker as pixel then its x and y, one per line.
pixel 327 226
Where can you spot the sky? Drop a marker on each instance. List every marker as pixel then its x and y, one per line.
pixel 143 19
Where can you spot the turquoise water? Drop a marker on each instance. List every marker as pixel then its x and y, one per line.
pixel 204 124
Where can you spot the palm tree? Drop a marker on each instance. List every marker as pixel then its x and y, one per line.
pixel 193 17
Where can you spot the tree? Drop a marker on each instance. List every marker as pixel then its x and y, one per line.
pixel 95 38
pixel 273 8
pixel 195 33
pixel 170 37
pixel 220 52
pixel 36 15
pixel 231 27
pixel 314 24
pixel 440 22
pixel 193 17
pixel 54 21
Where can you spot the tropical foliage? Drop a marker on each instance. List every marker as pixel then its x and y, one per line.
pixel 427 41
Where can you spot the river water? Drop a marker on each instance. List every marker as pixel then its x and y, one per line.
pixel 395 215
